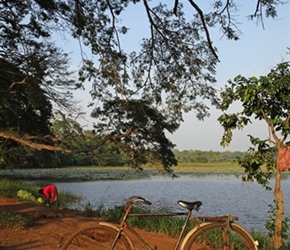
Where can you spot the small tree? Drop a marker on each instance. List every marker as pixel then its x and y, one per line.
pixel 265 98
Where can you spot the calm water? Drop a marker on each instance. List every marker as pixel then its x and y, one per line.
pixel 219 195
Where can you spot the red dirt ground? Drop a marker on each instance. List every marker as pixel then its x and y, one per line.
pixel 52 227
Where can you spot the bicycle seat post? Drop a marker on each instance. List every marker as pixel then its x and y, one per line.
pixel 188 216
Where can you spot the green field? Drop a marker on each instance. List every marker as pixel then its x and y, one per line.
pixel 209 168
pixel 118 173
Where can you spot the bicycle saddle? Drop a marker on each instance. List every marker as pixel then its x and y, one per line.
pixel 190 205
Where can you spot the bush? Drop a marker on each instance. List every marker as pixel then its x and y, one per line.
pixel 11 220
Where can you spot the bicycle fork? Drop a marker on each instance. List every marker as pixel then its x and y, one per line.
pixel 116 238
pixel 122 224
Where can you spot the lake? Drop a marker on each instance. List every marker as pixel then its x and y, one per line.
pixel 220 194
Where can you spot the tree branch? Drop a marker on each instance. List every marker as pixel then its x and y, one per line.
pixel 29 143
pixel 271 127
pixel 199 11
pixel 41 146
pixel 21 82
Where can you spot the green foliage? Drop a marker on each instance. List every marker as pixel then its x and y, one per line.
pixel 24 195
pixel 263 240
pixel 67 199
pixel 10 188
pixel 258 165
pixel 88 210
pixel 141 131
pixel 24 109
pixel 11 220
pixel 113 214
pixel 28 197
pixel 19 102
pixel 265 98
pixel 198 156
pixel 171 72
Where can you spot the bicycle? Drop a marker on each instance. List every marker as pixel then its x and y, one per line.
pixel 219 232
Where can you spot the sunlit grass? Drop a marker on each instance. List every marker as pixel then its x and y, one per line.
pixel 217 168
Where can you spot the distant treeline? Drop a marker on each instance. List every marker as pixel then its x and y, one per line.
pixel 111 156
pixel 187 156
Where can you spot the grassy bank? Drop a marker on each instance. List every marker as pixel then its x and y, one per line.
pixel 29 193
pixel 13 189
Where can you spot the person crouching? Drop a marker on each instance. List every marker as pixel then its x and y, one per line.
pixel 50 193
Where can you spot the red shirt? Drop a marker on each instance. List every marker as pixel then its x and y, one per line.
pixel 48 190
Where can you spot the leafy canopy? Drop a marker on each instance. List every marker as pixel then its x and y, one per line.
pixel 172 71
pixel 265 98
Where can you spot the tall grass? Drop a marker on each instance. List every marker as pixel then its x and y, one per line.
pixel 9 188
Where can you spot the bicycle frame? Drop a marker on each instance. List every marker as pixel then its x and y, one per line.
pixel 228 230
pixel 189 216
pixel 123 224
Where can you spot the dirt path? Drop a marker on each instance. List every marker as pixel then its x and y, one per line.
pixel 52 227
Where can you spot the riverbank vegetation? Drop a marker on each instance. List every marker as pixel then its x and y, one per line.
pixel 90 173
pixel 166 225
pixel 11 188
pixel 93 173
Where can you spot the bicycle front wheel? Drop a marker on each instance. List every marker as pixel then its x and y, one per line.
pixel 99 237
pixel 210 236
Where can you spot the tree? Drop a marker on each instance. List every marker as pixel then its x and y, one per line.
pixel 266 98
pixel 75 137
pixel 23 109
pixel 34 79
pixel 172 72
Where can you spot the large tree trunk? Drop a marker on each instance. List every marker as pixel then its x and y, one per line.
pixel 277 238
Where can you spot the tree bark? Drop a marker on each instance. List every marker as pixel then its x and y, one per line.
pixel 31 144
pixel 278 194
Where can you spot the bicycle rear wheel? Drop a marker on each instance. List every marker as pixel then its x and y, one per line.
pixel 215 236
pixel 99 237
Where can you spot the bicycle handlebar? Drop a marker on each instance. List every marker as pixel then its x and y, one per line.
pixel 138 199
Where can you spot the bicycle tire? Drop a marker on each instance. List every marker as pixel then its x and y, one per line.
pixel 98 237
pixel 209 236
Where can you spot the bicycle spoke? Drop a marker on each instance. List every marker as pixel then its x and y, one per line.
pixel 216 236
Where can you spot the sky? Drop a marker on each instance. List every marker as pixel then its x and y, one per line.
pixel 255 54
